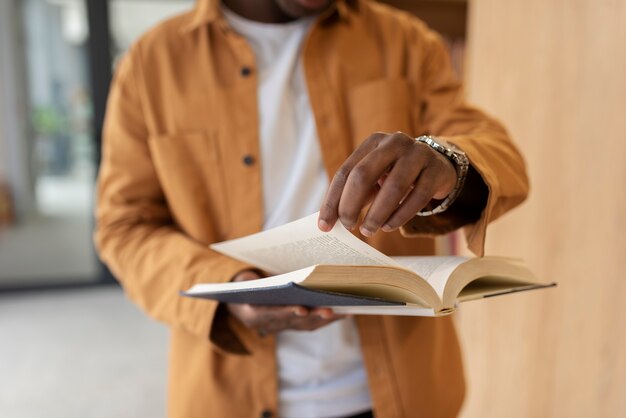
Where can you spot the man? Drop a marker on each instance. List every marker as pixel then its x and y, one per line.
pixel 236 117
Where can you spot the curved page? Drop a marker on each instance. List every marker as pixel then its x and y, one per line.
pixel 301 244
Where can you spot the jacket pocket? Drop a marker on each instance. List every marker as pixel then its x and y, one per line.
pixel 191 173
pixel 381 106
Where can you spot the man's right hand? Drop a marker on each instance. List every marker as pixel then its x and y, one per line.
pixel 271 319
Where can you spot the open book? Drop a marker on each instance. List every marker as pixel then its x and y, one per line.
pixel 336 269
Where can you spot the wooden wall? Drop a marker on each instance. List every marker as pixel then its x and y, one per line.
pixel 555 72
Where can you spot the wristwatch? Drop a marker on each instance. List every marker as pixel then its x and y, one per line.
pixel 459 160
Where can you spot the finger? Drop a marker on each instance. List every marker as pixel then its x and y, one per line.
pixel 315 326
pixel 270 312
pixel 417 199
pixel 273 319
pixel 246 275
pixel 436 182
pixel 277 323
pixel 362 182
pixel 311 323
pixel 396 187
pixel 446 177
pixel 324 313
pixel 329 211
pixel 364 179
pixel 268 317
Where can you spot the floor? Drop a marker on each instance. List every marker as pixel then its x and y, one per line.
pixel 85 353
pixel 30 251
pixel 46 250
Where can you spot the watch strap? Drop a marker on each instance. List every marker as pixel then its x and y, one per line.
pixel 461 163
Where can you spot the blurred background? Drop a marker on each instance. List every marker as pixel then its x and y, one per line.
pixel 553 70
pixel 70 344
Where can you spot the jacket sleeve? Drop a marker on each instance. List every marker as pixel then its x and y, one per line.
pixel 491 152
pixel 135 233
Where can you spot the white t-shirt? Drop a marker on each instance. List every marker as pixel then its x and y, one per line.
pixel 321 373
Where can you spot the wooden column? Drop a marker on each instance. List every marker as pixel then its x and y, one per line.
pixel 555 73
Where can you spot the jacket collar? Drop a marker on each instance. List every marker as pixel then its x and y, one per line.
pixel 208 11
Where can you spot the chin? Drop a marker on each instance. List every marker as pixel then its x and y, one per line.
pixel 302 8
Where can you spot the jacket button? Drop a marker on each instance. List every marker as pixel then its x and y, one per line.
pixel 266 414
pixel 248 160
pixel 245 71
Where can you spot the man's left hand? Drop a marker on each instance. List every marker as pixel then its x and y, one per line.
pixel 397 174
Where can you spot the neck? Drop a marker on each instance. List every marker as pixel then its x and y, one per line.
pixel 265 11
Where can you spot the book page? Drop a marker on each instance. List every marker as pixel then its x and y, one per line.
pixel 272 281
pixel 301 244
pixel 411 310
pixel 435 270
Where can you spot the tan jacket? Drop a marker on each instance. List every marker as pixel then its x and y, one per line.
pixel 181 170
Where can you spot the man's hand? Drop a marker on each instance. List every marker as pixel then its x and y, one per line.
pixel 271 319
pixel 399 175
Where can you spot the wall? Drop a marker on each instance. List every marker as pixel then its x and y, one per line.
pixel 555 73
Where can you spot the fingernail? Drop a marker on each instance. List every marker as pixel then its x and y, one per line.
pixel 323 225
pixel 301 312
pixel 349 227
pixel 366 232
pixel 386 228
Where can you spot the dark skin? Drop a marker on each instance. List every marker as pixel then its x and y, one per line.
pixel 387 180
pixel 277 11
pixel 397 174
